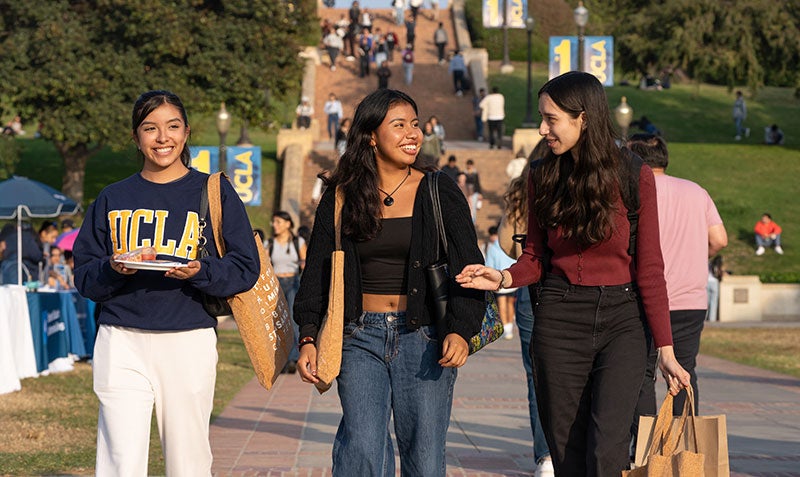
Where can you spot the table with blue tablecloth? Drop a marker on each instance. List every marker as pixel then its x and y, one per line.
pixel 62 324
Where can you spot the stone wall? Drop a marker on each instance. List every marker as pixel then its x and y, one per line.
pixel 745 298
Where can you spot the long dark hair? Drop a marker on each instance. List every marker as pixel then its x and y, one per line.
pixel 149 102
pixel 357 172
pixel 579 195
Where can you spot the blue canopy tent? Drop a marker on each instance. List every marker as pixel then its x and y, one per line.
pixel 20 195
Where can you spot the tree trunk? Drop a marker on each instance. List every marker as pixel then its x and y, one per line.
pixel 75 158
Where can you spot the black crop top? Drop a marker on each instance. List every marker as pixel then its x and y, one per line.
pixel 384 259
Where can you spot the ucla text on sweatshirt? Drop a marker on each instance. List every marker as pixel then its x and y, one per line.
pixel 136 213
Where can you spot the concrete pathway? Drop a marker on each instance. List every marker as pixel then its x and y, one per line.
pixel 289 430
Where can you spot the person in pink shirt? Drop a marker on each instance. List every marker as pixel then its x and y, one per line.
pixel 596 298
pixel 768 234
pixel 691 231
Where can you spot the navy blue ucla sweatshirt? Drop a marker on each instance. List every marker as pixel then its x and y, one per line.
pixel 136 213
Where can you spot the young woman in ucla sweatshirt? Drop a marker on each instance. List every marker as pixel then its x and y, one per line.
pixel 156 344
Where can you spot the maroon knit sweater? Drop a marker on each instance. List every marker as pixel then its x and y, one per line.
pixel 607 263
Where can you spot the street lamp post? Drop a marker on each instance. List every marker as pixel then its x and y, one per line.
pixel 505 67
pixel 528 122
pixel 623 113
pixel 223 125
pixel 581 19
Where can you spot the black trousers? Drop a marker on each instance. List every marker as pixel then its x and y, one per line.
pixel 495 132
pixel 687 326
pixel 440 50
pixel 589 351
pixel 458 80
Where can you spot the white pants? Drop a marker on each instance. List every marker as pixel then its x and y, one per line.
pixel 134 369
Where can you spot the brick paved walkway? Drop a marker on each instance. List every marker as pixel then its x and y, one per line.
pixel 289 431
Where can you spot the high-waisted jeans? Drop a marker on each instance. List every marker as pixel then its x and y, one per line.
pixel 589 352
pixel 389 370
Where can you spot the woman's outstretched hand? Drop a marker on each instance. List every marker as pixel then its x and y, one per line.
pixel 480 277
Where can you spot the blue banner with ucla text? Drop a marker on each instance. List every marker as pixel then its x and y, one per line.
pixel 244 170
pixel 516 12
pixel 205 159
pixel 598 56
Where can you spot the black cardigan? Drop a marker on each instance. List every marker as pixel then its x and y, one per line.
pixel 465 308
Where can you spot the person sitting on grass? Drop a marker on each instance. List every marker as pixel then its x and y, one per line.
pixel 768 234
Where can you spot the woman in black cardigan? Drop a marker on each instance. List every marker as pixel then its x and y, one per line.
pixel 395 362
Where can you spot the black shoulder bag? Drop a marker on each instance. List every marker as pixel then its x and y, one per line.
pixel 438 276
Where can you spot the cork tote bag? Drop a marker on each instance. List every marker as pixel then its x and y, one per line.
pixel 329 339
pixel 261 313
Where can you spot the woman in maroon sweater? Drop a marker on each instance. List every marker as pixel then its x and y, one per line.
pixel 593 301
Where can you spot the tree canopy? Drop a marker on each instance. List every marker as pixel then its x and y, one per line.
pixel 730 42
pixel 77 66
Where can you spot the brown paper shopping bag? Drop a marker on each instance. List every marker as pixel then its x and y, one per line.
pixel 662 456
pixel 329 339
pixel 711 436
pixel 261 313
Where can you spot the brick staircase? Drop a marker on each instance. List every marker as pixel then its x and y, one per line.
pixel 432 89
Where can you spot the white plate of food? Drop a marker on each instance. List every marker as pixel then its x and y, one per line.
pixel 157 265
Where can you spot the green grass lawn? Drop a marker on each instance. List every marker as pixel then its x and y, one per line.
pixel 744 178
pixel 50 427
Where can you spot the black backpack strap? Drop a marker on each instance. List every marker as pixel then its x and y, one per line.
pixel 270 244
pixel 296 242
pixel 631 199
pixel 202 214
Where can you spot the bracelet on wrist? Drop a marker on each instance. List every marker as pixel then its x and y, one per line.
pixel 305 341
pixel 502 281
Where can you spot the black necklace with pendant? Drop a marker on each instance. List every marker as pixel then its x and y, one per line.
pixel 389 201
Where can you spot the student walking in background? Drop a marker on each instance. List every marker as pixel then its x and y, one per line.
pixel 384 73
pixel 593 305
pixel 739 115
pixel 304 112
pixel 333 111
pixel 477 113
pixel 458 69
pixel 440 40
pixel 497 258
pixel 333 44
pixel 493 108
pixel 408 63
pixel 474 191
pixel 387 226
pixel 156 344
pixel 691 231
pixel 287 252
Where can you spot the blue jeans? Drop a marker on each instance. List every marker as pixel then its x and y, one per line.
pixel 712 288
pixel 478 127
pixel 333 124
pixel 524 317
pixel 389 370
pixel 408 72
pixel 739 123
pixel 768 242
pixel 290 285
